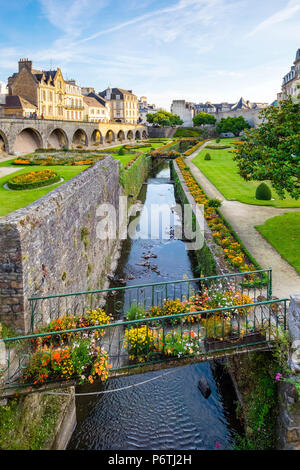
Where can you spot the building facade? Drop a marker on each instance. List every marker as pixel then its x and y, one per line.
pixel 146 108
pixel 185 110
pixel 124 105
pixel 46 92
pixel 94 110
pixel 291 81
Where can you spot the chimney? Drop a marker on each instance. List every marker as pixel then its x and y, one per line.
pixel 25 64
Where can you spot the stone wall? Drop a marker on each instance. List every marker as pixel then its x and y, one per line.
pixel 161 132
pixel 251 116
pixel 51 246
pixel 289 413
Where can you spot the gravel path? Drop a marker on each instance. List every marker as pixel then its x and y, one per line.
pixel 243 218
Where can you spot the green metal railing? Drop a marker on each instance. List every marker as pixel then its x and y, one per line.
pixel 149 340
pixel 117 300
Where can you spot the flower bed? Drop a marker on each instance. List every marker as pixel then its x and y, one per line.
pixel 34 179
pixel 193 149
pixel 218 147
pixel 168 154
pixel 59 159
pixel 223 235
pixel 73 355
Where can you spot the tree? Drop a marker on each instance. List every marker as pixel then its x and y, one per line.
pixel 272 151
pixel 164 119
pixel 232 124
pixel 204 118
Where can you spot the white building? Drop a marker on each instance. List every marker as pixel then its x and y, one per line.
pixel 94 110
pixel 291 80
pixel 184 110
pixel 146 108
pixel 3 92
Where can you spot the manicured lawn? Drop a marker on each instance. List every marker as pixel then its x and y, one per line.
pixel 222 171
pixel 283 232
pixel 13 200
pixel 123 158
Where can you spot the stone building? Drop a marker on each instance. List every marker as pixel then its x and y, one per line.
pixel 51 96
pixel 74 108
pixel 146 108
pixel 184 110
pixel 216 108
pixel 94 110
pixel 124 105
pixel 291 81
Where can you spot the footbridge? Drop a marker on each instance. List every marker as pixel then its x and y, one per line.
pixel 26 135
pixel 166 325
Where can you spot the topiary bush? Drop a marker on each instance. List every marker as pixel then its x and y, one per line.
pixel 121 151
pixel 214 203
pixel 207 157
pixel 263 192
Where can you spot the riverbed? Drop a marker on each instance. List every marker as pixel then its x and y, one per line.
pixel 168 411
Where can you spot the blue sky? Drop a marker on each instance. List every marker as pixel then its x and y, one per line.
pixel 199 50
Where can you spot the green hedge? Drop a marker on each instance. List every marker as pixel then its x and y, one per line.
pixel 132 178
pixel 203 258
pixel 37 184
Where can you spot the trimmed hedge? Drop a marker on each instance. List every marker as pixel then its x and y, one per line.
pixel 18 184
pixel 263 192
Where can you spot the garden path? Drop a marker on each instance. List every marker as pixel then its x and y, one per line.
pixel 243 218
pixel 4 171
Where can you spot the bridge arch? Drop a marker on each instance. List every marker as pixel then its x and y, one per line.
pixel 129 135
pixel 137 135
pixel 96 138
pixel 121 136
pixel 28 140
pixel 110 137
pixel 80 138
pixel 58 139
pixel 4 147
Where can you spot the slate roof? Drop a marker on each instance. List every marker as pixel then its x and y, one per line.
pixel 92 102
pixel 18 102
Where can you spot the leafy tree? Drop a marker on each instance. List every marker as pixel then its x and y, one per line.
pixel 164 119
pixel 272 151
pixel 204 118
pixel 232 124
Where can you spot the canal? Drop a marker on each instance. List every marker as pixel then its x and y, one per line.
pixel 169 411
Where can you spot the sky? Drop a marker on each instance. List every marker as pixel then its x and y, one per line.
pixel 197 50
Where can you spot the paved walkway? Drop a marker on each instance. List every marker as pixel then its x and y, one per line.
pixel 243 218
pixel 4 171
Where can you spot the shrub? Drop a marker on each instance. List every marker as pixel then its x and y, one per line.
pixel 263 192
pixel 121 151
pixel 135 312
pixel 214 203
pixel 218 140
pixel 207 157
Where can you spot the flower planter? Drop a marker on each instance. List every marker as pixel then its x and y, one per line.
pixel 214 344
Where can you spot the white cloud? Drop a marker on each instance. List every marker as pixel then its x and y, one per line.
pixel 285 14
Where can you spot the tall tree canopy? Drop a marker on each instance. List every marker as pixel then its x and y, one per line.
pixel 204 118
pixel 272 151
pixel 232 124
pixel 164 119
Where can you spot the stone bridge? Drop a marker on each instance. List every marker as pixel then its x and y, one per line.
pixel 26 135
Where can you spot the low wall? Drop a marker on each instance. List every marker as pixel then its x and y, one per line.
pixel 161 132
pixel 51 245
pixel 289 412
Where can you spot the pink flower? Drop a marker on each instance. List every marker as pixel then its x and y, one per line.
pixel 218 445
pixel 278 377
